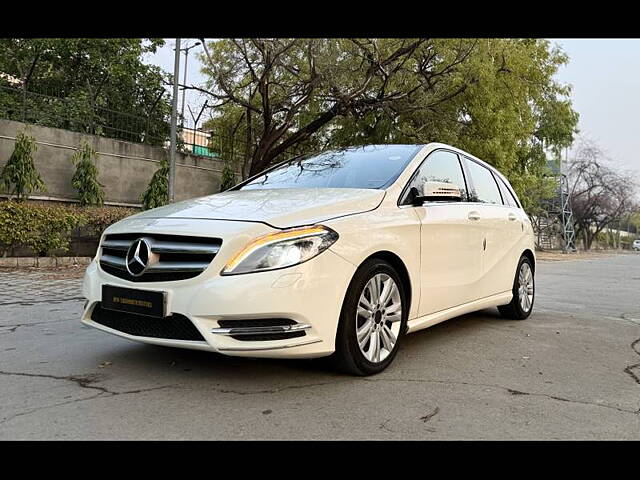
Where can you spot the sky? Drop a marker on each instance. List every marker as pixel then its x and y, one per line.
pixel 604 73
pixel 164 58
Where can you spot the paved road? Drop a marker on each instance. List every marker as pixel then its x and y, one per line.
pixel 569 372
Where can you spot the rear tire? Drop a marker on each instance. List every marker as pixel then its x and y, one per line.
pixel 373 320
pixel 521 304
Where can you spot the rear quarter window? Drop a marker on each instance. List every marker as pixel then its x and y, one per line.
pixel 508 197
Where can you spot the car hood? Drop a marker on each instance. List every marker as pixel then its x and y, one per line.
pixel 280 208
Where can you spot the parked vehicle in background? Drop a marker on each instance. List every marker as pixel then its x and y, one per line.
pixel 340 253
pixel 636 244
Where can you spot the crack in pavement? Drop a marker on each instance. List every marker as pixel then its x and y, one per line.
pixel 430 415
pixel 83 381
pixel 277 390
pixel 635 346
pixel 509 390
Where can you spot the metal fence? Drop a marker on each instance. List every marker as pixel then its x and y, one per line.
pixel 80 114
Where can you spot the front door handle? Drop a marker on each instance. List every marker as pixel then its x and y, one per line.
pixel 474 215
pixel 513 217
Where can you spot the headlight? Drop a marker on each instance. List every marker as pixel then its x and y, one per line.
pixel 280 250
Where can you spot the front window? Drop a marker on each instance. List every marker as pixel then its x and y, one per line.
pixel 372 166
pixel 440 166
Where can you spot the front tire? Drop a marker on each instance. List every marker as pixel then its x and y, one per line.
pixel 372 321
pixel 521 304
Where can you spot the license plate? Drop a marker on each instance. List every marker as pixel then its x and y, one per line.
pixel 142 302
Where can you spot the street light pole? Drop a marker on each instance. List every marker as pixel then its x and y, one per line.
pixel 184 86
pixel 184 82
pixel 174 115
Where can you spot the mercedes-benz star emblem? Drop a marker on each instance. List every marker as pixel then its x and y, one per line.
pixel 138 257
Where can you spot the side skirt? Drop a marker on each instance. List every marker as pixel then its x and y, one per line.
pixel 431 319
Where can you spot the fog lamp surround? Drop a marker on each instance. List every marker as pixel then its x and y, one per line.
pixel 280 250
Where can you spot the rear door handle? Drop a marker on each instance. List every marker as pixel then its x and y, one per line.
pixel 513 217
pixel 474 215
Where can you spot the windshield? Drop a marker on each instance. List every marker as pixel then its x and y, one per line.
pixel 372 166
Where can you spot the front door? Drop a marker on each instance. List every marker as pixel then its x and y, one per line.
pixel 451 239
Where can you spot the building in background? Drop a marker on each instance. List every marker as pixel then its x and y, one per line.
pixel 198 142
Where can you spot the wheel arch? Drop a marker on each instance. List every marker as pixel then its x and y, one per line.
pixel 397 263
pixel 529 254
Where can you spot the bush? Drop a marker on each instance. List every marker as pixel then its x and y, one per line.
pixel 20 171
pixel 228 179
pixel 85 179
pixel 45 228
pixel 42 228
pixel 99 218
pixel 157 192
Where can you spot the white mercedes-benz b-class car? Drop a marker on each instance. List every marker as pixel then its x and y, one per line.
pixel 340 253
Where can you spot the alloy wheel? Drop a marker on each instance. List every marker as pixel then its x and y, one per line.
pixel 378 318
pixel 525 287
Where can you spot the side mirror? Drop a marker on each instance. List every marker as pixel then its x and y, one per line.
pixel 436 191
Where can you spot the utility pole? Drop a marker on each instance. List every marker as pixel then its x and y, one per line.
pixel 174 115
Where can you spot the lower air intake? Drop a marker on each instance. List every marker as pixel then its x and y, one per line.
pixel 173 327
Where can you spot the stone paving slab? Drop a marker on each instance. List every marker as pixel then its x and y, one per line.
pixel 28 287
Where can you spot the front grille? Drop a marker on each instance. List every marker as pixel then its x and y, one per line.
pixel 176 257
pixel 174 327
pixel 261 322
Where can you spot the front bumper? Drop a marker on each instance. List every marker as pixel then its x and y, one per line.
pixel 310 294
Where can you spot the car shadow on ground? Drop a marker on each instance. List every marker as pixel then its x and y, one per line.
pixel 156 360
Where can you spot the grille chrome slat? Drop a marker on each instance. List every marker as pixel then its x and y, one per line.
pixel 177 257
pixel 112 260
pixel 117 244
pixel 178 267
pixel 159 246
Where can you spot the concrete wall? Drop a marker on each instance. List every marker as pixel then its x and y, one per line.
pixel 125 168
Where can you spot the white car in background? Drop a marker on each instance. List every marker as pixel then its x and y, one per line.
pixel 636 244
pixel 340 253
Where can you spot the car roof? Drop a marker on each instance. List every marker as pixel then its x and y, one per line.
pixel 435 145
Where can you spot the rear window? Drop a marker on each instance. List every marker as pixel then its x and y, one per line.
pixel 371 166
pixel 485 186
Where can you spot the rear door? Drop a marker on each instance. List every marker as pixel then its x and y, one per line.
pixel 498 224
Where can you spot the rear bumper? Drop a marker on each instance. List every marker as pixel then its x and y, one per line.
pixel 310 294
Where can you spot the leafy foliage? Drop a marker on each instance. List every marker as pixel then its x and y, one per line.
pixel 99 218
pixel 496 98
pixel 20 171
pixel 45 228
pixel 228 179
pixel 94 78
pixel 157 192
pixel 85 178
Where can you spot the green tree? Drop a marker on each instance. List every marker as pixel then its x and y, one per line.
pixel 228 179
pixel 96 77
pixel 496 98
pixel 291 90
pixel 85 179
pixel 157 192
pixel 19 175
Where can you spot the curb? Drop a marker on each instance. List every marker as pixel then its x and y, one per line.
pixel 43 262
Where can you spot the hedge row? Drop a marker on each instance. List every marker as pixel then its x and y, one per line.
pixel 45 227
